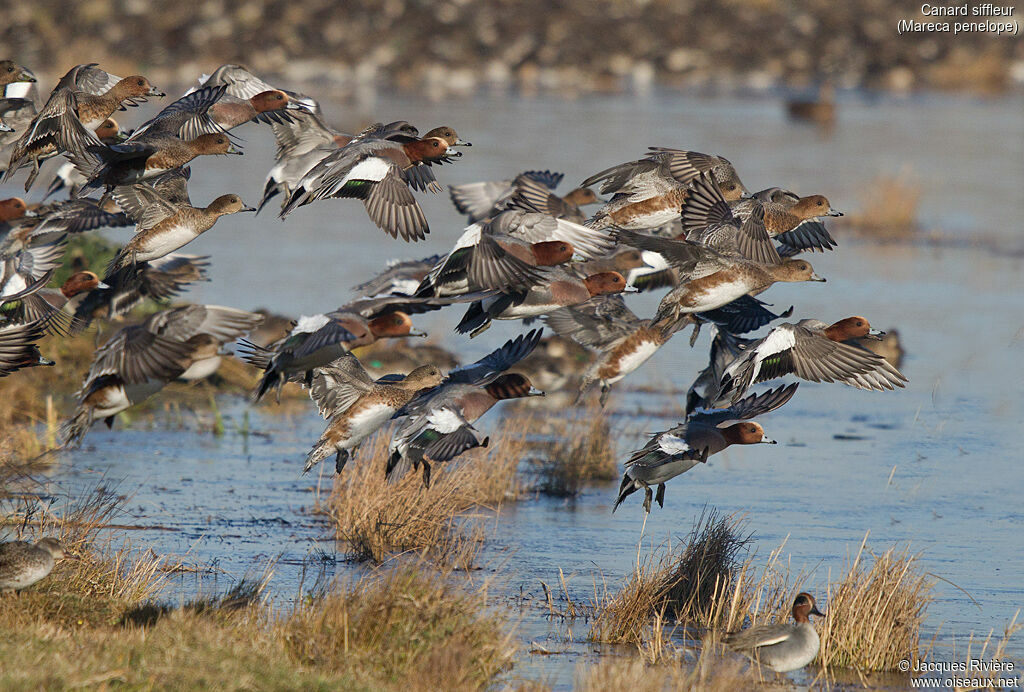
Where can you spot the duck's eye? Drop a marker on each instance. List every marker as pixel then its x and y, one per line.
pixel 10 69
pixel 820 203
pixel 141 83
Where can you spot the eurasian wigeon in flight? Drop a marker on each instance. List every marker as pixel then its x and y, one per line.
pixel 83 99
pixel 18 347
pixel 814 351
pixel 621 341
pixel 792 220
pixel 558 288
pixel 140 359
pixel 357 406
pixel 166 221
pixel 502 252
pixel 679 449
pixel 377 167
pixel 158 280
pixel 166 142
pixel 668 164
pixel 437 424
pixel 712 279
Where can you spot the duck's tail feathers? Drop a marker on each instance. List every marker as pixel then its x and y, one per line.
pixel 73 429
pixel 626 488
pixel 321 450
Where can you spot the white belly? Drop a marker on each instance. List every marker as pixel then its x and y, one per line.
pixel 167 241
pixel 661 473
pixel 367 422
pixel 634 360
pixel 718 295
pixel 201 369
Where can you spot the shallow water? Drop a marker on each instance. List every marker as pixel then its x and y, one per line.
pixel 946 441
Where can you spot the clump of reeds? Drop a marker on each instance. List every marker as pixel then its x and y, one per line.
pixel 691 582
pixel 376 519
pixel 988 650
pixel 889 207
pixel 583 451
pixel 410 627
pixel 875 611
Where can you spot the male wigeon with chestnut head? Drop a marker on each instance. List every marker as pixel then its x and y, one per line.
pixel 501 252
pixel 814 351
pixel 378 167
pixel 679 449
pixel 558 288
pixel 317 340
pixel 437 424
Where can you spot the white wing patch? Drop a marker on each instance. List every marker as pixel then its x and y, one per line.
pixel 469 238
pixel 670 444
pixel 308 324
pixel 371 168
pixel 445 420
pixel 780 339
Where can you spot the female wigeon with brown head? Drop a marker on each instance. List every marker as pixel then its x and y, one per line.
pixel 165 226
pixel 357 406
pixel 449 135
pixel 792 220
pixel 620 340
pixel 11 72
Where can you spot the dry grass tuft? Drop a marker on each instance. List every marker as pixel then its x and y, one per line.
pixel 583 451
pixel 889 207
pixel 409 626
pixel 377 519
pixel 93 623
pixel 875 612
pixel 709 672
pixel 97 581
pixel 692 583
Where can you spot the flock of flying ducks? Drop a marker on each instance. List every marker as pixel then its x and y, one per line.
pixel 674 218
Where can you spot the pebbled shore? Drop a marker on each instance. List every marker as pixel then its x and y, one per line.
pixel 570 47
